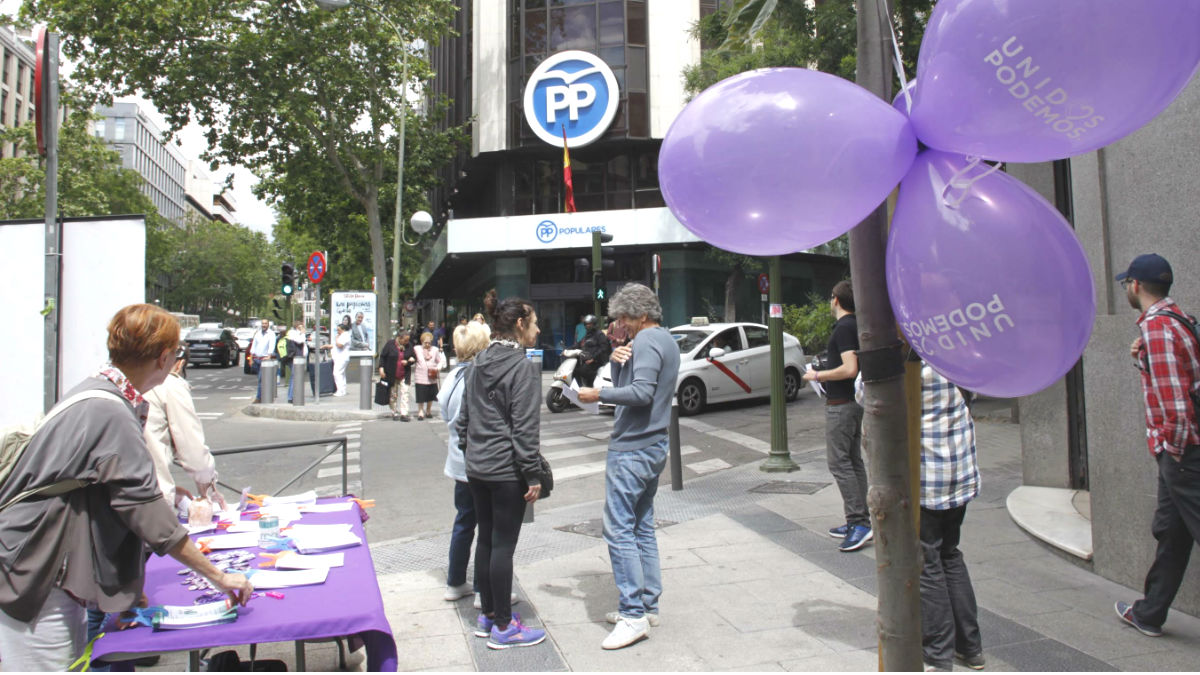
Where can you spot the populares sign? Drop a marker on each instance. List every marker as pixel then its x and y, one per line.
pixel 573 92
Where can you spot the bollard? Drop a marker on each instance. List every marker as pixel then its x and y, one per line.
pixel 676 453
pixel 364 383
pixel 299 365
pixel 266 375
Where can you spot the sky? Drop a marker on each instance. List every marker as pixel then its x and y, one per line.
pixel 250 211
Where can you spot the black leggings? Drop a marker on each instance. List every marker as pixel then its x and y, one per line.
pixel 500 508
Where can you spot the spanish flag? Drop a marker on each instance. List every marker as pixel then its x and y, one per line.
pixel 569 200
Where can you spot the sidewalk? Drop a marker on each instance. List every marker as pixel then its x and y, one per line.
pixel 753 582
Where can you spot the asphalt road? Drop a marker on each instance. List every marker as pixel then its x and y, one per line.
pixel 400 465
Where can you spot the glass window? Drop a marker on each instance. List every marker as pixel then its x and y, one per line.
pixel 648 199
pixel 612 23
pixel 637 68
pixel 100 130
pixel 687 340
pixel 535 32
pixel 4 108
pixel 572 28
pixel 618 173
pixel 613 56
pixel 119 129
pixel 514 34
pixel 20 77
pixel 639 115
pixel 636 21
pixel 757 336
pixel 4 61
pixel 729 340
pixel 531 4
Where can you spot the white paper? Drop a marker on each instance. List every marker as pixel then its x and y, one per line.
pixel 195 616
pixel 302 499
pixel 315 543
pixel 268 579
pixel 305 530
pixel 296 561
pixel 200 529
pixel 572 395
pixel 816 386
pixel 228 541
pixel 327 508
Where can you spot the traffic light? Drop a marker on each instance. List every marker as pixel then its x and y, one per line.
pixel 277 306
pixel 288 284
pixel 602 266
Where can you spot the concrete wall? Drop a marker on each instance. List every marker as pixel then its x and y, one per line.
pixel 1135 196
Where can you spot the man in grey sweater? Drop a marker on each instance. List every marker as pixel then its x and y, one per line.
pixel 643 374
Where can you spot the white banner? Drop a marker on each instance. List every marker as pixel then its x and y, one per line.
pixel 565 230
pixel 357 308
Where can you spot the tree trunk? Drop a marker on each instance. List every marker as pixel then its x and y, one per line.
pixel 731 284
pixel 885 434
pixel 383 306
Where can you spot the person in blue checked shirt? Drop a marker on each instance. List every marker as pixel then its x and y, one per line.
pixel 949 481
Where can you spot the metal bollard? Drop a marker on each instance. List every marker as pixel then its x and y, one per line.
pixel 675 452
pixel 299 365
pixel 364 383
pixel 266 375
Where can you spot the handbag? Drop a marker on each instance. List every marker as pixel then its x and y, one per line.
pixel 383 393
pixel 545 477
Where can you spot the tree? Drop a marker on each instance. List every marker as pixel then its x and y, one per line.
pixel 216 269
pixel 268 80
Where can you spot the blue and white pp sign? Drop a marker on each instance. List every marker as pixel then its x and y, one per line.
pixel 573 90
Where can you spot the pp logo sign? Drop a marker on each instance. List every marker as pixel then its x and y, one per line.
pixel 571 90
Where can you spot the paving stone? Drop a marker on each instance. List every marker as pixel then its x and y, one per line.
pixel 424 652
pixel 1047 655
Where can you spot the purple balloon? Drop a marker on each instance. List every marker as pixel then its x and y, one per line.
pixel 1036 80
pixel 779 160
pixel 995 292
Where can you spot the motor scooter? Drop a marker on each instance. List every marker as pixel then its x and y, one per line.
pixel 566 377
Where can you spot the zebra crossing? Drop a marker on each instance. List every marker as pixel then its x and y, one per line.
pixel 330 470
pixel 576 444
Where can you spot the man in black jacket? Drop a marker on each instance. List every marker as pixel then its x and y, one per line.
pixel 595 348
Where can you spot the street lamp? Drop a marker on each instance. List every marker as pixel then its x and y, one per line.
pixel 397 223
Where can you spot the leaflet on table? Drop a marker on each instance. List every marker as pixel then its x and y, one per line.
pixel 816 386
pixel 572 395
pixel 304 529
pixel 336 507
pixel 228 541
pixel 302 499
pixel 296 561
pixel 267 579
pixel 330 541
pixel 176 617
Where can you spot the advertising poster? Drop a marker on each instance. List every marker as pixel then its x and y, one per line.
pixel 356 308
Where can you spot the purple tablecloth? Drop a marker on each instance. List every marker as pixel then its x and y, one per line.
pixel 348 603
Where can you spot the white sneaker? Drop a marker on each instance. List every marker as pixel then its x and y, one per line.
pixel 513 599
pixel 455 592
pixel 356 661
pixel 626 632
pixel 651 618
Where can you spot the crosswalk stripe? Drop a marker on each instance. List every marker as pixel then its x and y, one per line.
pixel 574 452
pixel 337 471
pixel 209 415
pixel 709 465
pixel 337 457
pixel 240 398
pixel 742 440
pixel 697 425
pixel 589 468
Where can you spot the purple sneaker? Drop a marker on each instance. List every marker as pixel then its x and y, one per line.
pixel 483 624
pixel 517 635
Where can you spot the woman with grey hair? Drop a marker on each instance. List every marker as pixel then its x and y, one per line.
pixel 635 300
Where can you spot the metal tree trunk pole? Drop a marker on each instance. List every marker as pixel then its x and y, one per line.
pixel 780 458
pixel 885 434
pixel 54 238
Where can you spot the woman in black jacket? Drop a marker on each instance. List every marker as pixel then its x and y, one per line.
pixel 395 368
pixel 498 428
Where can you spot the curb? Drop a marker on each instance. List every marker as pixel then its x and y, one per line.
pixel 307 414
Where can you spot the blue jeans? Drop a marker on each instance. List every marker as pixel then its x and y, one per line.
pixel 463 534
pixel 95 622
pixel 630 483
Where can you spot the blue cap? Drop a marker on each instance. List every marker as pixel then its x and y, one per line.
pixel 1148 267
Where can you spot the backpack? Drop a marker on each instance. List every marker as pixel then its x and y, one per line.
pixel 283 347
pixel 1190 325
pixel 15 439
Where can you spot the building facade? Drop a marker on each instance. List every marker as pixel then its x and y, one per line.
pixel 162 166
pixel 500 208
pixel 17 61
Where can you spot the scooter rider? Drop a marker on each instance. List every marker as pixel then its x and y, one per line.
pixel 594 351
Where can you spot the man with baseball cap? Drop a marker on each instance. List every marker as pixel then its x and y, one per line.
pixel 1166 354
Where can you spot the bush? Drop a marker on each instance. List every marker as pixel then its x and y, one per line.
pixel 811 324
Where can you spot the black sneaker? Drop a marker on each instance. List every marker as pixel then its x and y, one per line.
pixel 1125 611
pixel 974 662
pixel 839 532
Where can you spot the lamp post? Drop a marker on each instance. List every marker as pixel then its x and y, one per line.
pixel 419 226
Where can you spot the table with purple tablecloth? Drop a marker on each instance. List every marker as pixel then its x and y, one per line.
pixel 348 603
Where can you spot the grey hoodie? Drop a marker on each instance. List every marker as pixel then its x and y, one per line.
pixel 498 425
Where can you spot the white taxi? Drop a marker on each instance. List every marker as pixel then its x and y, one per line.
pixel 727 362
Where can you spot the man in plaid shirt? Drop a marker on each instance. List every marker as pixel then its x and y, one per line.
pixel 1167 356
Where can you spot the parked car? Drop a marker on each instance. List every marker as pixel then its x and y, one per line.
pixel 212 346
pixel 727 362
pixel 243 337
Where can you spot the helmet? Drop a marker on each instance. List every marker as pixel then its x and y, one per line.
pixel 590 319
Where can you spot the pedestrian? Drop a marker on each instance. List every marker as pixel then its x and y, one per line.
pixel 479 318
pixel 643 376
pixel 432 329
pixel 468 340
pixel 340 351
pixel 580 330
pixel 430 363
pixel 949 481
pixel 595 350
pixel 843 420
pixel 298 346
pixel 395 368
pixel 80 545
pixel 1167 359
pixel 262 348
pixel 617 335
pixel 499 423
pixel 360 338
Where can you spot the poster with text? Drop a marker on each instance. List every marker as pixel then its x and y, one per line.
pixel 357 309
